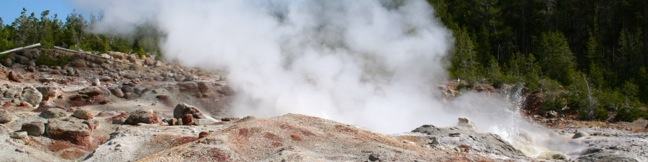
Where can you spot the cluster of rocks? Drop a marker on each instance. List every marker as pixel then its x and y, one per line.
pixel 20 96
pixel 464 138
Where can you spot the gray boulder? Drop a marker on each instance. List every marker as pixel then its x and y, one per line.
pixel 53 113
pixel 34 128
pixel 31 95
pixel 6 117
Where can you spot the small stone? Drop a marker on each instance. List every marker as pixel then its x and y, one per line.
pixel 96 82
pixel 188 120
pixel 34 128
pixel 141 116
pixel 14 77
pixel 579 134
pixel 374 157
pixel 6 117
pixel 559 157
pixel 117 92
pixel 552 114
pixel 171 121
pixel 19 135
pixel 53 113
pixel 183 109
pixel 82 114
pixel 463 122
pixel 454 134
pixel 202 134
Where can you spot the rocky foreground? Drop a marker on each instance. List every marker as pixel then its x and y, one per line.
pixel 71 106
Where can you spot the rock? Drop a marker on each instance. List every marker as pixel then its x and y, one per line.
pixel 96 82
pixel 82 114
pixel 579 134
pixel 117 92
pixel 481 143
pixel 188 119
pixel 49 92
pixel 69 129
pixel 70 71
pixel 53 113
pixel 90 96
pixel 552 114
pixel 606 156
pixel 6 117
pixel 32 96
pixel 203 134
pixel 14 77
pixel 120 118
pixel 11 91
pixel 36 128
pixel 18 135
pixel 141 116
pixel 182 109
pixel 94 91
pixel 463 122
pixel 558 157
pixel 374 157
pixel 171 121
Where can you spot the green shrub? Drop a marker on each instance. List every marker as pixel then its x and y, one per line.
pixel 46 59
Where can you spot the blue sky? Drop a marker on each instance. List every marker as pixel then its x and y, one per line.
pixel 10 9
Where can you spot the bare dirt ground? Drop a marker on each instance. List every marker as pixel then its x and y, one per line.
pixel 119 107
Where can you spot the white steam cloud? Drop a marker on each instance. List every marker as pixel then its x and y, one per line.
pixel 375 64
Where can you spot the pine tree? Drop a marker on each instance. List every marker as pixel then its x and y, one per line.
pixel 464 63
pixel 555 57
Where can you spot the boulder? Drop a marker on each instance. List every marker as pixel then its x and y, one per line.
pixel 14 77
pixel 119 118
pixel 188 119
pixel 53 113
pixel 90 96
pixel 6 117
pixel 94 91
pixel 11 91
pixel 141 116
pixel 36 128
pixel 19 135
pixel 96 82
pixel 579 134
pixel 463 122
pixel 482 143
pixel 32 96
pixel 49 92
pixel 182 109
pixel 203 134
pixel 117 92
pixel 374 157
pixel 82 114
pixel 69 129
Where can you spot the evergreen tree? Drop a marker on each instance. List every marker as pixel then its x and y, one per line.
pixel 555 56
pixel 464 63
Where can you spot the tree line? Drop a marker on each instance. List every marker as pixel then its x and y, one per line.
pixel 50 30
pixel 588 58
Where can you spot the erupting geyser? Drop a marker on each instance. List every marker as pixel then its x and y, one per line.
pixel 375 64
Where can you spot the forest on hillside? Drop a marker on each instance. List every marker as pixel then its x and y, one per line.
pixel 50 30
pixel 587 58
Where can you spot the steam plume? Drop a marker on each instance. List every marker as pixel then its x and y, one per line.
pixel 376 64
